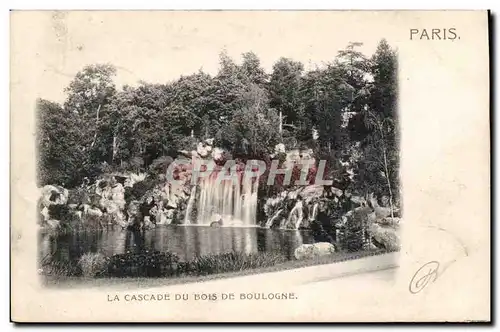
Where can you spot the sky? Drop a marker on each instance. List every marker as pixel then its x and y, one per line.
pixel 158 47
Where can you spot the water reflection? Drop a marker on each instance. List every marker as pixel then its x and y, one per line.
pixel 187 242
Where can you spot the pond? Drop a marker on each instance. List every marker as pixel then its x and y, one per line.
pixel 185 241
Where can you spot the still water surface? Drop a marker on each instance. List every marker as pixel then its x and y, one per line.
pixel 185 241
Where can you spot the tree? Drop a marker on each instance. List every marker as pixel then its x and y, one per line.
pixel 252 131
pixel 252 71
pixel 89 96
pixel 58 138
pixel 379 167
pixel 325 98
pixel 284 91
pixel 225 90
pixel 91 87
pixel 192 101
pixel 383 92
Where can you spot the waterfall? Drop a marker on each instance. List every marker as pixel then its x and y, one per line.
pixel 227 202
pixel 293 220
pixel 312 216
pixel 270 221
pixel 189 208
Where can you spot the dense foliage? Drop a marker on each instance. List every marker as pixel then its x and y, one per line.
pixel 343 109
pixel 143 264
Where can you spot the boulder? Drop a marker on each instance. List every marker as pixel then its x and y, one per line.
pixel 134 208
pixel 194 154
pixel 279 148
pixel 149 221
pixel 293 155
pixel 384 237
pixel 53 223
pixel 73 206
pixel 217 154
pixel 169 214
pixel 358 200
pixel 216 218
pixel 202 150
pixel 161 217
pixel 337 192
pixel 179 191
pixel 392 222
pixel 53 195
pixel 216 224
pixel 307 155
pixel 294 194
pixel 118 195
pixel 310 251
pixel 45 213
pixel 185 153
pixel 361 215
pixel 312 191
pixel 382 212
pixel 91 211
pixel 173 202
pixel 272 203
pixel 112 201
pixel 119 218
pixel 133 178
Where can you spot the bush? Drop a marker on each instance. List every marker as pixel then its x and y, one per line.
pixel 60 212
pixel 230 262
pixel 139 190
pixel 92 264
pixel 51 267
pixel 67 219
pixel 143 264
pixel 160 165
pixel 353 235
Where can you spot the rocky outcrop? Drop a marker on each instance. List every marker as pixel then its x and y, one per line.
pixel 311 251
pixel 385 237
pixel 49 196
pixel 384 232
pixel 381 231
pixel 100 203
pixel 131 199
pixel 112 201
pixel 298 207
pixel 54 195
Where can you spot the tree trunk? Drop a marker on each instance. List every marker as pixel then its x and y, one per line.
pixel 96 126
pixel 386 166
pixel 388 178
pixel 114 148
pixel 281 123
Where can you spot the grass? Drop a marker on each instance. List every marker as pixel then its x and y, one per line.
pixel 55 269
pixel 92 264
pixel 142 282
pixel 231 262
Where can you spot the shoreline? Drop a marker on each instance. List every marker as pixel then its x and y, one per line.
pixel 62 283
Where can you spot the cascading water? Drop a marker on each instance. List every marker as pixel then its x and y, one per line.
pixel 226 202
pixel 314 213
pixel 271 220
pixel 189 208
pixel 296 215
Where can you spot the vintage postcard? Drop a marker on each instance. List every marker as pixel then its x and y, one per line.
pixel 250 166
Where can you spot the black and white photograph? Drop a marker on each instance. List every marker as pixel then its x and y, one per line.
pixel 240 158
pixel 247 169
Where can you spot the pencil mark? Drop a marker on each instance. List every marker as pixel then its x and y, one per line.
pixel 426 274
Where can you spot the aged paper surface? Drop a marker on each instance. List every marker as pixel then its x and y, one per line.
pixel 441 272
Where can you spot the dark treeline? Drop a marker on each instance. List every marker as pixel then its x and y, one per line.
pixel 345 111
